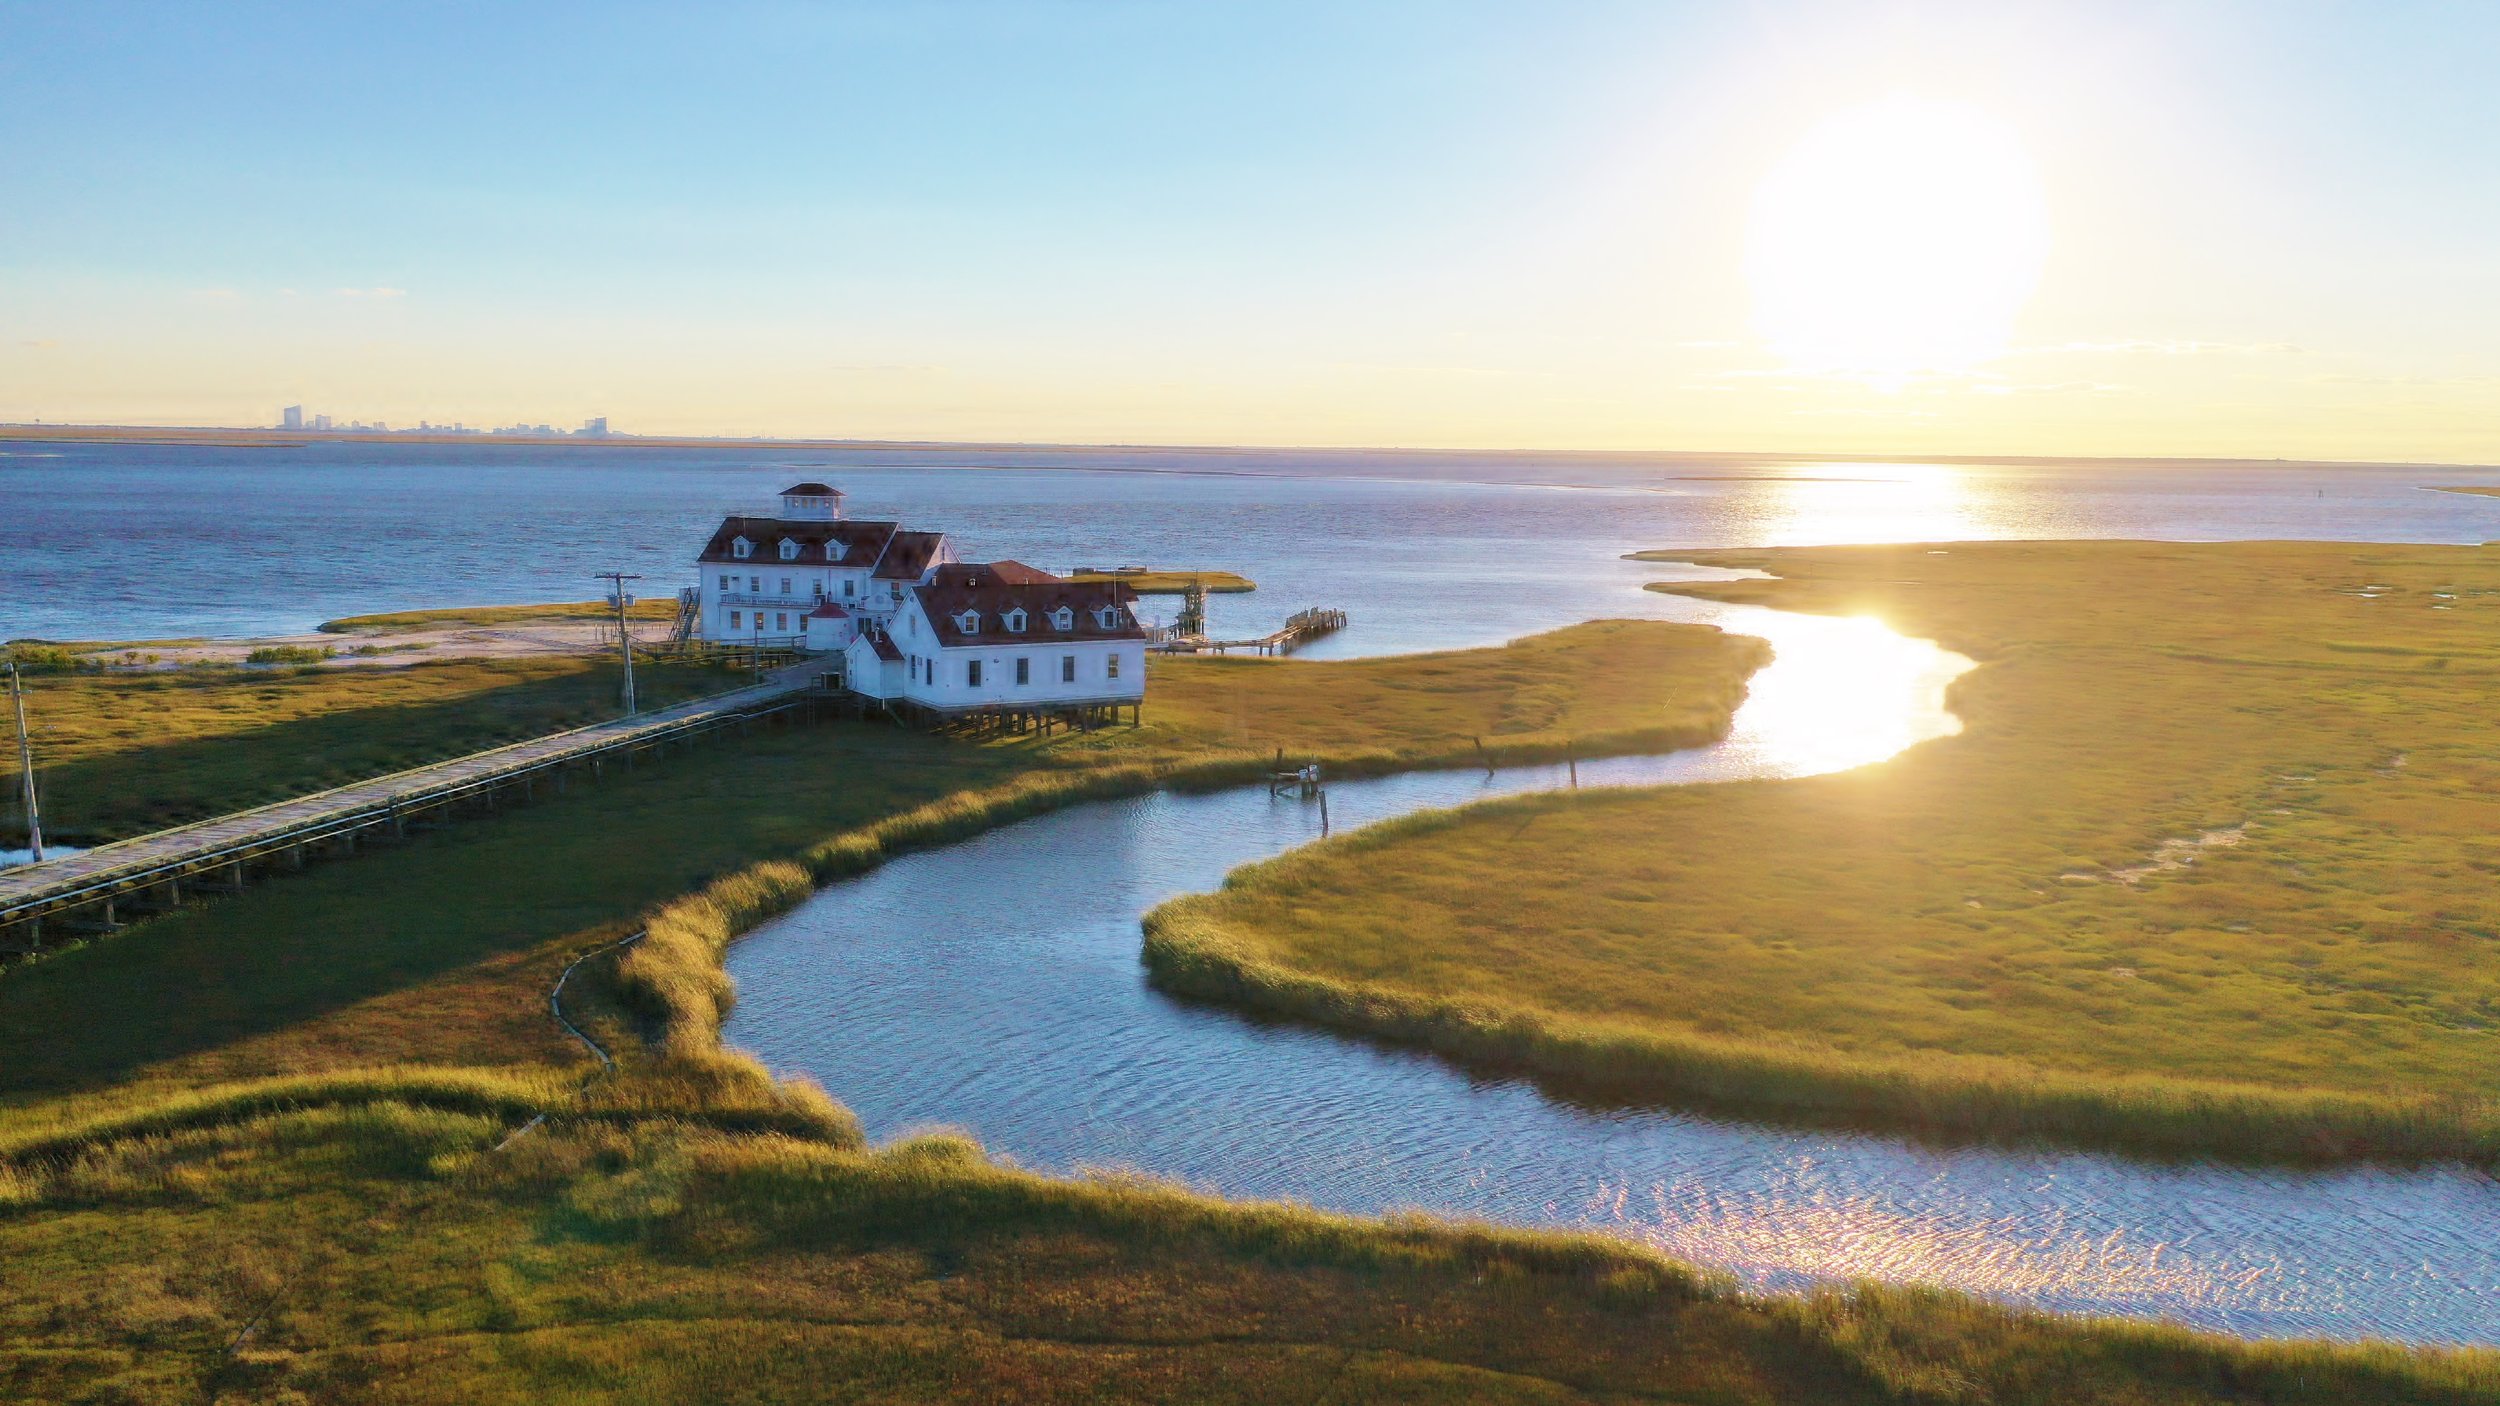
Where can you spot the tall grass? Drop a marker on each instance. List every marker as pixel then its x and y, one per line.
pixel 1190 951
pixel 2208 871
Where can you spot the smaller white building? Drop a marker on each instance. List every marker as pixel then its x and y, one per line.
pixel 1005 636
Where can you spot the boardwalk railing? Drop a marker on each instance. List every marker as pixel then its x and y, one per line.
pixel 210 854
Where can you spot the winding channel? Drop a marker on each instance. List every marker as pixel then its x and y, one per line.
pixel 994 986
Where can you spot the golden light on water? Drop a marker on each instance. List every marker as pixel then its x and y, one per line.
pixel 1844 503
pixel 1896 239
pixel 1807 1231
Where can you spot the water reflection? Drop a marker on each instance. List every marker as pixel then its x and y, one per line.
pixel 994 986
pixel 1827 504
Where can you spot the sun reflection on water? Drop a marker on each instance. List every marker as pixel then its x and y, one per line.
pixel 1832 504
pixel 1798 1229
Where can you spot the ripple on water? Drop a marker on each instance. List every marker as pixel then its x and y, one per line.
pixel 994 986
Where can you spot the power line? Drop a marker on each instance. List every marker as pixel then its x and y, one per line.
pixel 624 634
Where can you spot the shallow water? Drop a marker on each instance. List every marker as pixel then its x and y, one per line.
pixel 994 986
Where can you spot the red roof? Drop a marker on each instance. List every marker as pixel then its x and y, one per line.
pixel 908 554
pixel 884 646
pixel 827 610
pixel 861 541
pixel 994 589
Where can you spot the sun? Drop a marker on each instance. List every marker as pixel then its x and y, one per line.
pixel 1896 239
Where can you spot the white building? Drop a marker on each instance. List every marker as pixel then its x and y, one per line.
pixel 762 578
pixel 916 628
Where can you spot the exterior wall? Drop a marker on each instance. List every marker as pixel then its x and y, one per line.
pixel 868 674
pixel 756 584
pixel 951 686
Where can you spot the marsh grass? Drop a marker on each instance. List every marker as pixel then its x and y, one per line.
pixel 689 1229
pixel 656 608
pixel 125 753
pixel 1172 583
pixel 2027 930
pixel 397 1252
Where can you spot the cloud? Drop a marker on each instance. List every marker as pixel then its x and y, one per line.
pixel 375 292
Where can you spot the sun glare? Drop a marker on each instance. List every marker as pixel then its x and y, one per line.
pixel 1896 239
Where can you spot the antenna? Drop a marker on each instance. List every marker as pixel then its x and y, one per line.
pixel 26 769
pixel 624 637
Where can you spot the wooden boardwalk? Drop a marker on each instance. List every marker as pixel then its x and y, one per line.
pixel 1302 627
pixel 85 890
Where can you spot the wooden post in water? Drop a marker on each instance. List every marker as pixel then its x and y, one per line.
pixel 1575 773
pixel 1323 814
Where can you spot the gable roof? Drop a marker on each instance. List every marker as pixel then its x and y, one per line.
pixel 994 588
pixel 861 541
pixel 908 553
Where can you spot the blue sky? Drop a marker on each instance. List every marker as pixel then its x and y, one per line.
pixel 2272 226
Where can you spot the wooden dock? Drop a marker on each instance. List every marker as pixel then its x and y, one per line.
pixel 1300 628
pixel 94 890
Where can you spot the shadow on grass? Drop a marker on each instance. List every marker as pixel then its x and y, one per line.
pixel 452 905
pixel 111 794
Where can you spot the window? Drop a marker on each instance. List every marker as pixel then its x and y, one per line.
pixel 733 619
pixel 755 585
pixel 969 622
pixel 1013 620
pixel 1024 671
pixel 781 621
pixel 785 585
pixel 1067 668
pixel 1108 617
pixel 847 584
pixel 789 550
pixel 972 672
pixel 742 549
pixel 833 551
pixel 1111 665
pixel 1063 619
pixel 728 583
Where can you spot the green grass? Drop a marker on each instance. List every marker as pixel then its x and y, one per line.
pixel 124 753
pixel 1172 583
pixel 396 1251
pixel 1993 935
pixel 434 950
pixel 540 614
pixel 273 1149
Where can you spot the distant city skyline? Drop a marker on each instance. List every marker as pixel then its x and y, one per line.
pixel 1918 227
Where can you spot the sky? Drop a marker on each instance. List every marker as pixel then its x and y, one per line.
pixel 2239 229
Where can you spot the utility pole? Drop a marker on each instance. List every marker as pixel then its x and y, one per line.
pixel 624 634
pixel 26 768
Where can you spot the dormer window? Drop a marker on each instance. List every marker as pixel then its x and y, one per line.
pixel 833 551
pixel 1014 621
pixel 1107 616
pixel 789 550
pixel 742 549
pixel 1063 619
pixel 968 621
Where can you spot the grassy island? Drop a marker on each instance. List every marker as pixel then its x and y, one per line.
pixel 2211 870
pixel 1153 582
pixel 289 1146
pixel 448 617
